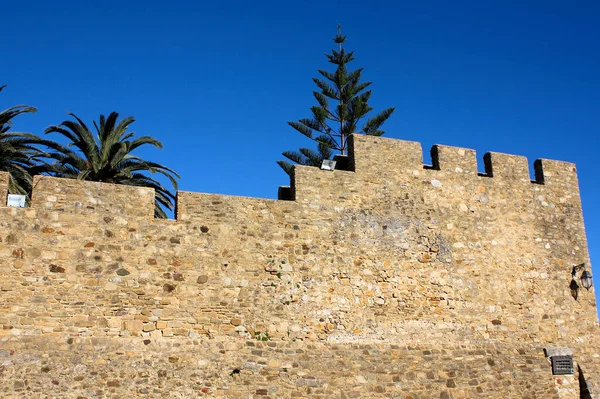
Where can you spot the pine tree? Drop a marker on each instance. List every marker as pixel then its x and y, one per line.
pixel 330 125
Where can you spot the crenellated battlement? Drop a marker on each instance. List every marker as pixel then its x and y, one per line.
pixel 377 155
pixel 375 164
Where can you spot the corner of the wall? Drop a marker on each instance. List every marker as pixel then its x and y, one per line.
pixel 4 179
pixel 351 153
pixel 556 173
pixel 288 193
pixel 178 211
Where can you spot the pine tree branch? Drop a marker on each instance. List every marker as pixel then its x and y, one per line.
pixel 371 128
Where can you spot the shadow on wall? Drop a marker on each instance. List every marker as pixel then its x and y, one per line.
pixel 584 390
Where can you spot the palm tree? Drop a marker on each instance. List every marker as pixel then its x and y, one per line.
pixel 106 157
pixel 16 152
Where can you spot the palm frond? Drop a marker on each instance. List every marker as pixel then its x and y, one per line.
pixel 107 157
pixel 16 150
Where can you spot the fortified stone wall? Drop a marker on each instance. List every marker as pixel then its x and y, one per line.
pixel 389 280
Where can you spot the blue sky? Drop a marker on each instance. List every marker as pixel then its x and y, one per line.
pixel 217 81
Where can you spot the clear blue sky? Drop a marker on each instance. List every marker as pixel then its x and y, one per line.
pixel 217 81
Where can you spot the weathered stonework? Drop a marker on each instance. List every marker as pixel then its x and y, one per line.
pixel 390 280
pixel 4 177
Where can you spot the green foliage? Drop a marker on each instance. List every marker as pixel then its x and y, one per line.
pixel 262 336
pixel 331 124
pixel 16 151
pixel 106 157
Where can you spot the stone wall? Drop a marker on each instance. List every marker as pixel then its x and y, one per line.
pixel 4 176
pixel 390 280
pixel 218 367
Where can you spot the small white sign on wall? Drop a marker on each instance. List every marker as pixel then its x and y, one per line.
pixel 16 200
